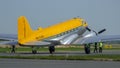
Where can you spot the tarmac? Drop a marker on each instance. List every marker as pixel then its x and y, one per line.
pixel 35 63
pixel 60 53
pixel 30 63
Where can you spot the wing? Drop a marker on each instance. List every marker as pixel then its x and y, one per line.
pixel 11 39
pixel 8 36
pixel 99 38
pixel 36 43
pixel 42 43
pixel 8 39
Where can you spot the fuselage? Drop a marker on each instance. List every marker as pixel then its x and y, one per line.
pixel 67 30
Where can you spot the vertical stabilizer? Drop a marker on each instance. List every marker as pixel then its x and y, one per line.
pixel 24 29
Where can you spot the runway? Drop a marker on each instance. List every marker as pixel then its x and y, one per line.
pixel 25 63
pixel 60 53
pixel 37 63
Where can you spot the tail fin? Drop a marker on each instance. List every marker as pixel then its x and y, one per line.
pixel 24 29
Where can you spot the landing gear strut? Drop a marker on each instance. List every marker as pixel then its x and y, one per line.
pixel 51 49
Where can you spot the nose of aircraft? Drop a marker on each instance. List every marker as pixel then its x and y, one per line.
pixel 85 24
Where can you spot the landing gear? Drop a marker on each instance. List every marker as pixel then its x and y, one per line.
pixel 34 50
pixel 51 49
pixel 13 49
pixel 87 48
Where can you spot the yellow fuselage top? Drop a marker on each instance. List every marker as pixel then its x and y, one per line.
pixel 43 33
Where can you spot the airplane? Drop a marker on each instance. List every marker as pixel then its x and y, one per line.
pixel 69 32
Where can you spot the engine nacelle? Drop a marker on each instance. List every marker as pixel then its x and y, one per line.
pixel 90 34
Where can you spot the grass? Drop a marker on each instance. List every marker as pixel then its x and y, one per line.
pixel 99 57
pixel 40 49
pixel 85 57
pixel 20 49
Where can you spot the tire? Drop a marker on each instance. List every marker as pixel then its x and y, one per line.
pixel 87 50
pixel 51 49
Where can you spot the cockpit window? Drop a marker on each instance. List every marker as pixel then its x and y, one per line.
pixel 83 22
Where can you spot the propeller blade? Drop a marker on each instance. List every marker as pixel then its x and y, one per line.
pixel 88 29
pixel 101 31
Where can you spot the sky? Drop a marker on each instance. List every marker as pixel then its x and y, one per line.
pixel 99 14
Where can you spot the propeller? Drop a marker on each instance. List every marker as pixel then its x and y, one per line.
pixel 88 29
pixel 99 32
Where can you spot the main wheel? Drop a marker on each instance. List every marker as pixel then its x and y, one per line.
pixel 51 49
pixel 87 50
